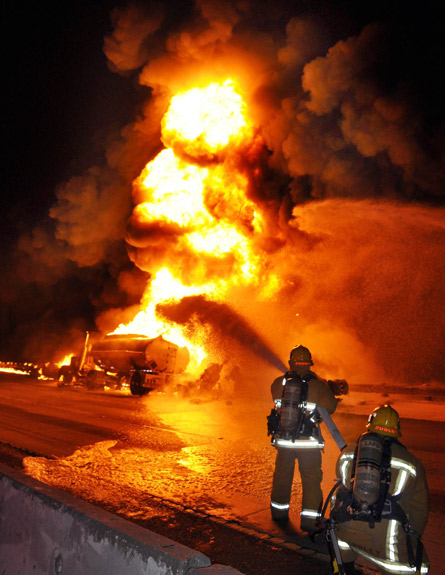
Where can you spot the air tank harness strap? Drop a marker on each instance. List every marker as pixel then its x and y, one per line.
pixel 393 510
pixel 417 560
pixel 385 478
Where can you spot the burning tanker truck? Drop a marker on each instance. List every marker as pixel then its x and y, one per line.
pixel 145 364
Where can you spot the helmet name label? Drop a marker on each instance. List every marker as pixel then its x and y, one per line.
pixel 385 429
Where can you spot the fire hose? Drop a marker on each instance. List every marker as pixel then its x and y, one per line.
pixel 329 526
pixel 332 428
pixel 329 535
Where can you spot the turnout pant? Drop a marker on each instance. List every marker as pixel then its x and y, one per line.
pixel 384 545
pixel 309 464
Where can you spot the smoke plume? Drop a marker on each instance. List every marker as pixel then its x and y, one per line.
pixel 346 168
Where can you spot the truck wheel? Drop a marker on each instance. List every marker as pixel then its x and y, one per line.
pixel 136 385
pixel 65 375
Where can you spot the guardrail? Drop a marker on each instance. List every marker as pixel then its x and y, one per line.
pixel 46 531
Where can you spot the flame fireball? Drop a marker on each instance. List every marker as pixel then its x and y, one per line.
pixel 192 220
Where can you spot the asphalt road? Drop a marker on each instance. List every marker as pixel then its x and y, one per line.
pixel 196 471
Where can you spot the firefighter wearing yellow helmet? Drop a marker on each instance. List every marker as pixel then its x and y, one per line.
pixel 295 428
pixel 381 509
pixel 385 421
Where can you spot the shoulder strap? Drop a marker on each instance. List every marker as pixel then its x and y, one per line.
pixel 304 391
pixel 385 479
pixel 393 510
pixel 354 459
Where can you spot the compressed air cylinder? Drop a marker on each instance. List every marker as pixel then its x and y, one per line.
pixel 368 469
pixel 289 405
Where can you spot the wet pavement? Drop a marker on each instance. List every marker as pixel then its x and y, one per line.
pixel 198 472
pixel 253 551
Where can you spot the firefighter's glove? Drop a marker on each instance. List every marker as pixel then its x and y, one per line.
pixel 338 386
pixel 273 422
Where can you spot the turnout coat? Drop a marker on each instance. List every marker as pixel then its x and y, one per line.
pixel 305 449
pixel 386 544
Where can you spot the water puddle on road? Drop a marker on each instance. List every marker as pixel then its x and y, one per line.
pixel 203 463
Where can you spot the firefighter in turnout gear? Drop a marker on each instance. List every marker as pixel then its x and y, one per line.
pixel 295 428
pixel 381 507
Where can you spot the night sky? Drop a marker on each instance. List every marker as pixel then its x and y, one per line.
pixel 64 109
pixel 62 103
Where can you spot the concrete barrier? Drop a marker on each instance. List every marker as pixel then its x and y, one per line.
pixel 44 531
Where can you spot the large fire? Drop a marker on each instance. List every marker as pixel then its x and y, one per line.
pixel 274 171
pixel 204 121
pixel 193 192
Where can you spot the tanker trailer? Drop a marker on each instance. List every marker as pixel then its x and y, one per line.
pixel 148 363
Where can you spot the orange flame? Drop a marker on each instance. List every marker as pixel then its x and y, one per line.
pixel 66 360
pixel 7 369
pixel 203 122
pixel 193 191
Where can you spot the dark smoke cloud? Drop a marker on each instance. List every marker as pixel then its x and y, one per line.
pixel 377 133
pixel 347 169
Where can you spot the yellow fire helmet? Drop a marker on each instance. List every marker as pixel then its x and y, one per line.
pixel 300 356
pixel 385 421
